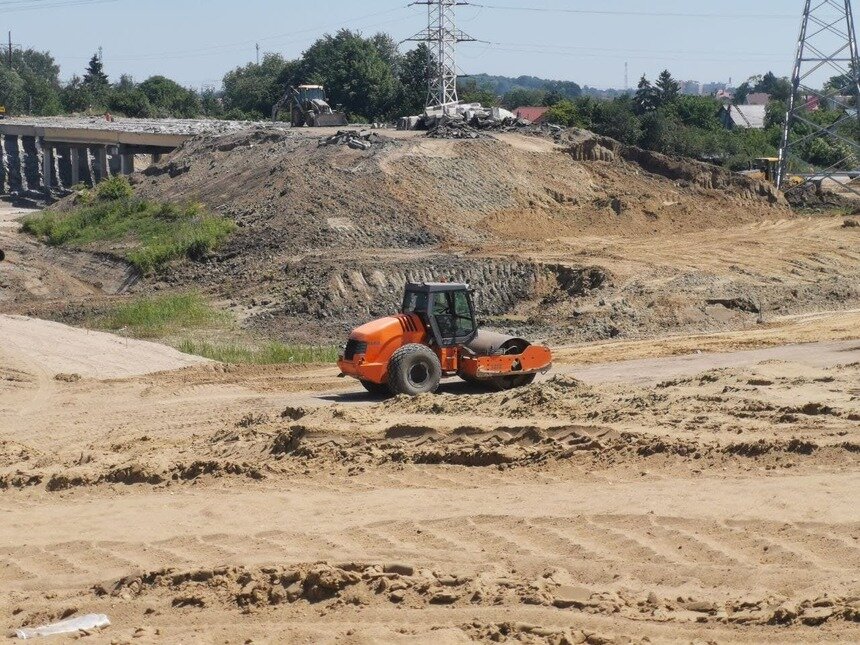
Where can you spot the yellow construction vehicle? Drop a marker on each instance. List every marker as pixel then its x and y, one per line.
pixel 308 107
pixel 767 168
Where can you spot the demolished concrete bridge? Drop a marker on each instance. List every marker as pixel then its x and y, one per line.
pixel 44 157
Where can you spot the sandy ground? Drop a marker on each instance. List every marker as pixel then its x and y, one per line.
pixel 708 497
pixel 51 346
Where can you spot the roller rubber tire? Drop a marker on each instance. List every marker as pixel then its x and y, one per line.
pixel 376 389
pixel 414 369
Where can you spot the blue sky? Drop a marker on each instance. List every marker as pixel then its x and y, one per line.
pixel 196 41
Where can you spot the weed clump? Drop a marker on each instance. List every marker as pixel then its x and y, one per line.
pixel 147 234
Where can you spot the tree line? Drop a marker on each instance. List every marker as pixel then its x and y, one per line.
pixel 371 80
pixel 658 117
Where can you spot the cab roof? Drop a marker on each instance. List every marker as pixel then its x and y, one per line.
pixel 435 287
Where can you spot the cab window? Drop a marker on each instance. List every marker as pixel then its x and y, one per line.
pixel 414 302
pixel 463 314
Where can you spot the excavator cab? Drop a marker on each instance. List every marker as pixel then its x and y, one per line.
pixel 306 93
pixel 436 335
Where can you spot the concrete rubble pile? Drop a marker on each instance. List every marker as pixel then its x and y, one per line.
pixel 463 121
pixel 355 139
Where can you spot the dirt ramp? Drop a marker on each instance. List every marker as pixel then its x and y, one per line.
pixel 52 348
pixel 690 174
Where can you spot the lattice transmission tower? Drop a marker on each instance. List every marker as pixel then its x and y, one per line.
pixel 442 37
pixel 827 44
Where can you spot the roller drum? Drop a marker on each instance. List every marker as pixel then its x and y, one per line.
pixel 490 343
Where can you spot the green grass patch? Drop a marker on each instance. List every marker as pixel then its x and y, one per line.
pixel 159 316
pixel 147 234
pixel 264 353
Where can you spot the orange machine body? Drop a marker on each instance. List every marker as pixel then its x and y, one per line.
pixel 372 345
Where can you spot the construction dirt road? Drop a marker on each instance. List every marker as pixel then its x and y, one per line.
pixel 703 498
pixel 687 472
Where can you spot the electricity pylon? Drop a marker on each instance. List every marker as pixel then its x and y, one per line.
pixel 442 37
pixel 828 43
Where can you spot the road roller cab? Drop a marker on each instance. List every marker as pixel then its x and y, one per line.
pixel 436 335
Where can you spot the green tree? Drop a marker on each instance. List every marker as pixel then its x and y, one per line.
pixel 657 132
pixel 355 72
pixel 130 102
pixel 75 96
pixel 413 80
pixel 40 75
pixel 43 98
pixel 95 77
pixel 12 91
pixel 742 92
pixel 697 112
pixel 169 98
pixel 252 90
pixel 470 92
pixel 41 64
pixel 667 88
pixel 522 97
pixel 564 113
pixel 211 103
pixel 647 97
pixel 779 89
pixel 617 119
pixel 775 114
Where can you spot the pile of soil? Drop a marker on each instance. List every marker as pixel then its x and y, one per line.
pixel 328 235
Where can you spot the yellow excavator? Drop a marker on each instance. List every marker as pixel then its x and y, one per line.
pixel 309 107
pixel 766 169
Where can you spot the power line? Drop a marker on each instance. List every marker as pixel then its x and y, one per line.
pixel 31 5
pixel 214 50
pixel 642 14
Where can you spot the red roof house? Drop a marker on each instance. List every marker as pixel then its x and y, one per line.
pixel 533 114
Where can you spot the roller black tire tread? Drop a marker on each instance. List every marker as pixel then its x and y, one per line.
pixel 503 383
pixel 403 360
pixel 376 389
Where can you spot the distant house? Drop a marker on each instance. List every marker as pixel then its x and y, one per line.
pixel 758 98
pixel 743 116
pixel 533 114
pixel 812 104
pixel 724 95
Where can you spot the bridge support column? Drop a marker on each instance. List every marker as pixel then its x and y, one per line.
pixel 90 162
pixel 63 163
pixel 31 163
pixel 74 165
pixel 4 169
pixel 12 146
pixel 85 166
pixel 126 160
pixel 47 166
pixel 114 161
pixel 100 165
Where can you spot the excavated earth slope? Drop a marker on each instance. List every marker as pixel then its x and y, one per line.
pixel 328 234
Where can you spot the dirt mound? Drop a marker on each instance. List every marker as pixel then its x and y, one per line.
pixel 328 234
pixel 416 587
pixel 773 416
